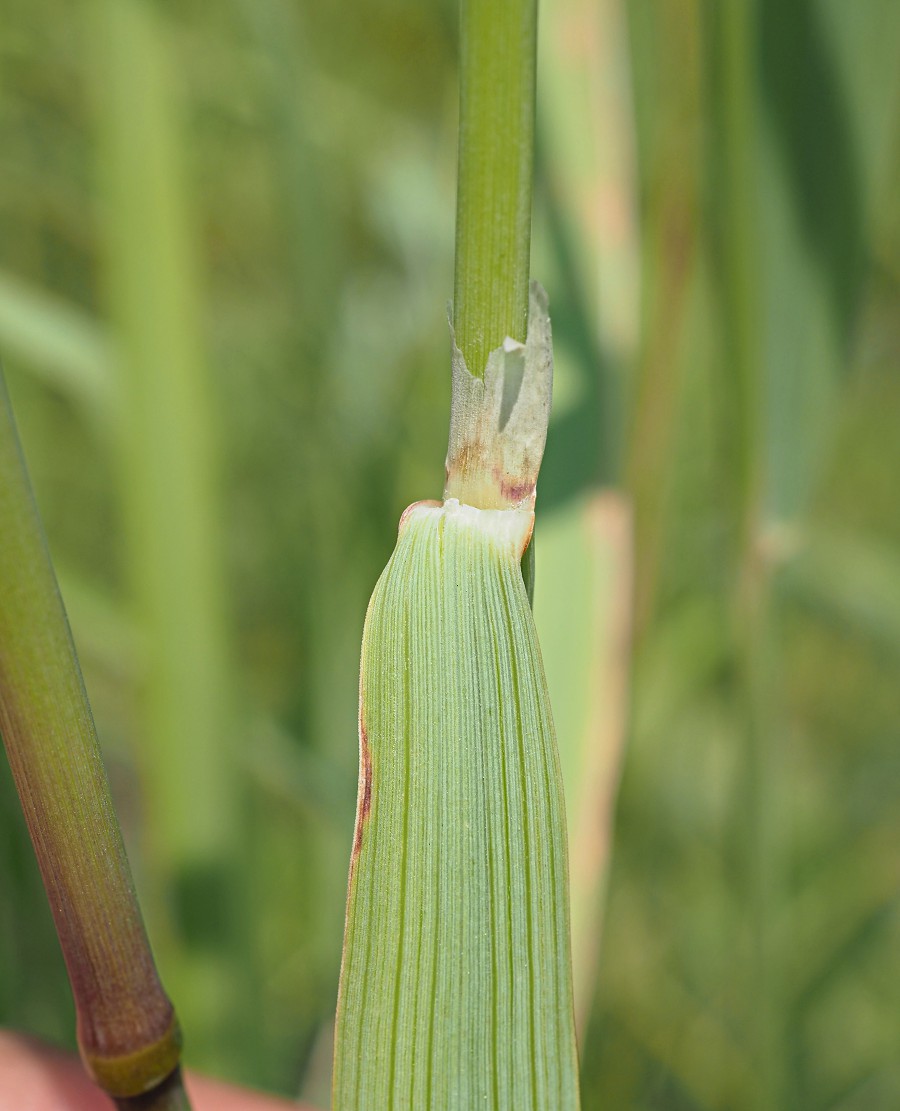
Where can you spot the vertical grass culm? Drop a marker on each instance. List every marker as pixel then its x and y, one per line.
pixel 168 462
pixel 127 1031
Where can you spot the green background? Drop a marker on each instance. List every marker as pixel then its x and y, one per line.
pixel 226 238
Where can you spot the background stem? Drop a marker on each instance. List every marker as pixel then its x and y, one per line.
pixel 127 1030
pixel 751 473
pixel 168 459
pixel 498 45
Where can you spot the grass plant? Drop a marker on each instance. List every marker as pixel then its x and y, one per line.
pixel 312 154
pixel 456 982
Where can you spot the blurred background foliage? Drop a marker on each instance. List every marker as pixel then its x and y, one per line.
pixel 225 253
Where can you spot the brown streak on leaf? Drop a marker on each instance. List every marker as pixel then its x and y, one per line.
pixel 364 804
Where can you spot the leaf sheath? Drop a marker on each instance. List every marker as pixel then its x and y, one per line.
pixel 456 985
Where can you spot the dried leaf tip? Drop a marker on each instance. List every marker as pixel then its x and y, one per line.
pixel 498 424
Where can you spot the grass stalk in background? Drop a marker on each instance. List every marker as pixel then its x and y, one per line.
pixel 127 1031
pixel 167 454
pixel 747 473
pixel 456 983
pixel 669 242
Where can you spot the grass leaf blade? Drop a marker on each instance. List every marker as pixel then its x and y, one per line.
pixel 456 985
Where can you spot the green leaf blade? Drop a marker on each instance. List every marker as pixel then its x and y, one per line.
pixel 456 986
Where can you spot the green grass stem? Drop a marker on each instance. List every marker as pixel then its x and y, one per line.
pixel 498 43
pixel 127 1031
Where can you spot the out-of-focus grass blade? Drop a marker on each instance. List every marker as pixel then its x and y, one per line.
pixel 456 985
pixel 583 613
pixel 666 63
pixel 837 904
pixel 168 467
pixel 586 235
pixel 584 75
pixel 59 342
pixel 809 220
pixel 829 90
pixel 300 775
pixel 699 1049
pixel 101 629
pixel 746 476
pixel 850 579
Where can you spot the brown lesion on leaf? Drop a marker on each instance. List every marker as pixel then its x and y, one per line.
pixel 364 799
